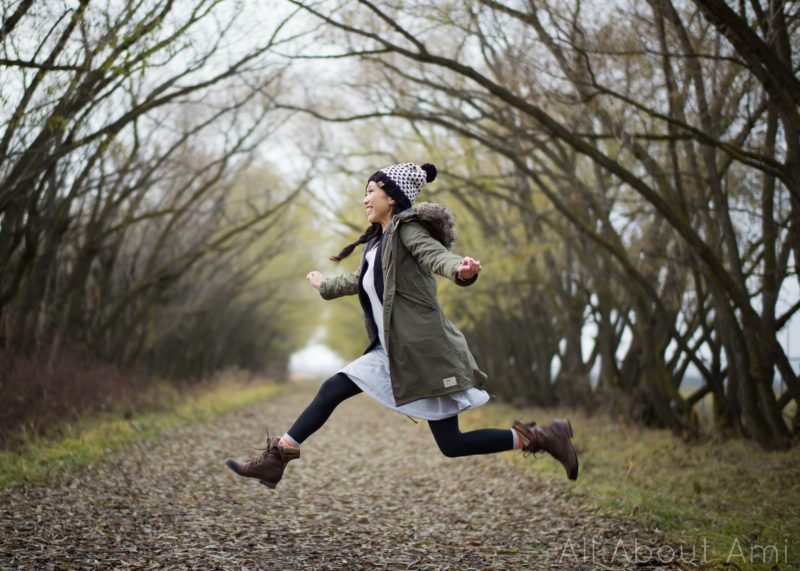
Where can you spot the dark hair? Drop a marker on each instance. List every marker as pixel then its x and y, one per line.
pixel 373 231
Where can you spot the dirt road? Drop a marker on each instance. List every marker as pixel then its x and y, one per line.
pixel 371 491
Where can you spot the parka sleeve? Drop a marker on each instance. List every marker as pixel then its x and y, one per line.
pixel 431 254
pixel 345 284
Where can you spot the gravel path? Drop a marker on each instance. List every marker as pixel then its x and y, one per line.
pixel 371 491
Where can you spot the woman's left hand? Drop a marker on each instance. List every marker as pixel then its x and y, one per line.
pixel 468 268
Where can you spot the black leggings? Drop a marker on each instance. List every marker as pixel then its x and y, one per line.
pixel 451 441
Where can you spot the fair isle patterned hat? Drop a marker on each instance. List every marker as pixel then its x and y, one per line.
pixel 404 181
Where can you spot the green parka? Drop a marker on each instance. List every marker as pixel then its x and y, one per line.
pixel 428 355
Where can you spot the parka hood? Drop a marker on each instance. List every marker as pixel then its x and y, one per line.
pixel 437 218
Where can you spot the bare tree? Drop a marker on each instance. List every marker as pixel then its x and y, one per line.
pixel 127 128
pixel 657 142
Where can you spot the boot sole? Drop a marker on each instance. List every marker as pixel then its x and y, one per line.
pixel 569 431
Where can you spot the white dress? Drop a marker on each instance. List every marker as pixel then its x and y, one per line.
pixel 371 371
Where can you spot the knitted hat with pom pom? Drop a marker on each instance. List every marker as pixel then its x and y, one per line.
pixel 404 181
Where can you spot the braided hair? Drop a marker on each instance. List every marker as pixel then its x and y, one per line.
pixel 374 231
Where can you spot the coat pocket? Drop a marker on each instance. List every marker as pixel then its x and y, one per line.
pixel 416 298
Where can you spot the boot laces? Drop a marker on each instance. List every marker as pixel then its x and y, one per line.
pixel 535 447
pixel 265 453
pixel 537 453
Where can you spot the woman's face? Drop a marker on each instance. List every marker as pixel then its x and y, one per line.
pixel 379 205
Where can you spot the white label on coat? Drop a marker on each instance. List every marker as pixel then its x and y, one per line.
pixel 449 382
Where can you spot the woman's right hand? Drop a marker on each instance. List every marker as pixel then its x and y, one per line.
pixel 315 278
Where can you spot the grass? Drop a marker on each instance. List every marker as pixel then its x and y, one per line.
pixel 721 497
pixel 38 458
pixel 729 499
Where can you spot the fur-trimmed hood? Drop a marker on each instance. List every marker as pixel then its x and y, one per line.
pixel 437 218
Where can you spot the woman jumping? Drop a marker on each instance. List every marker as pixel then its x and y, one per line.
pixel 417 362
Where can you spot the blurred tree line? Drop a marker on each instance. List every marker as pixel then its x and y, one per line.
pixel 138 224
pixel 627 173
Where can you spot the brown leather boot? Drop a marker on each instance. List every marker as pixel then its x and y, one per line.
pixel 268 466
pixel 553 438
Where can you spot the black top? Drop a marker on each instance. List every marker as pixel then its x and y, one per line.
pixel 363 298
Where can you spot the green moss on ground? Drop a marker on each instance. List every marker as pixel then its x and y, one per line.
pixel 728 497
